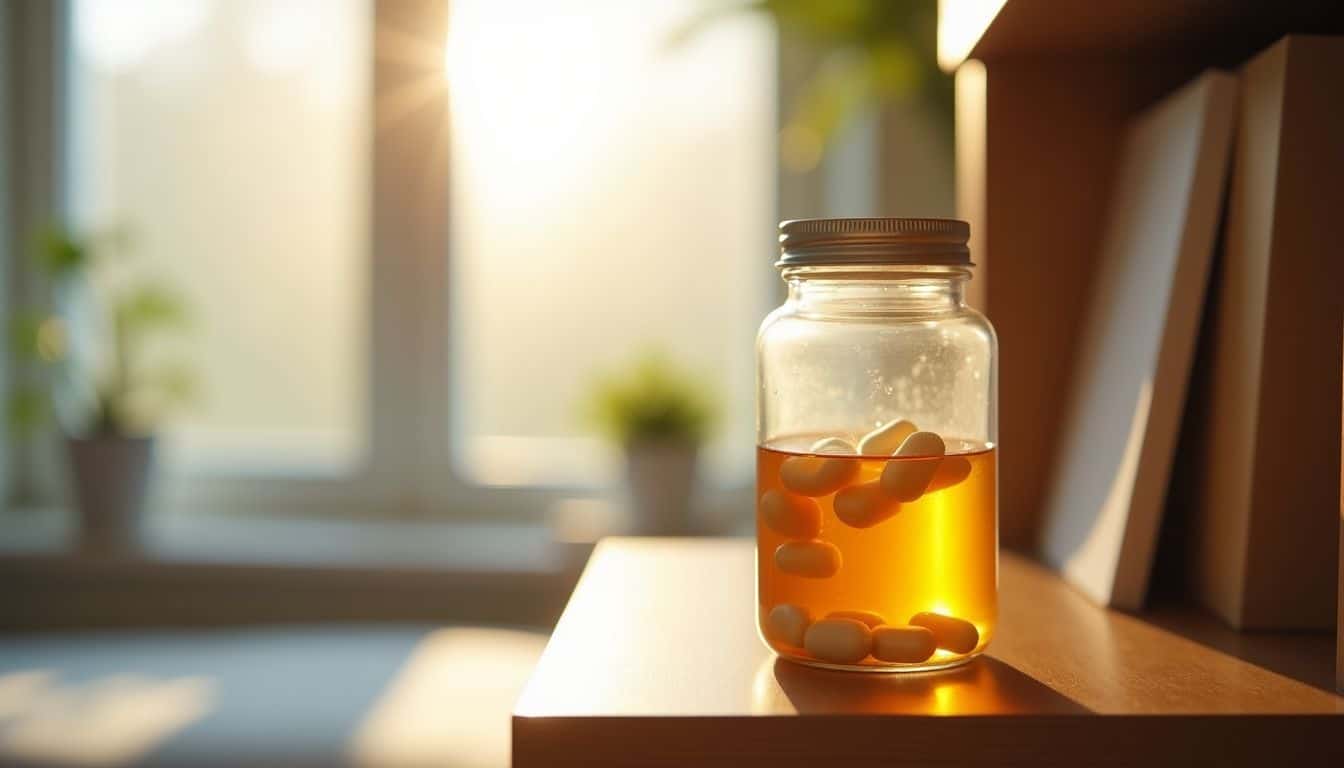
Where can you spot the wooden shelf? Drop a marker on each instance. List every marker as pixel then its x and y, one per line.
pixel 1146 28
pixel 1040 120
pixel 656 660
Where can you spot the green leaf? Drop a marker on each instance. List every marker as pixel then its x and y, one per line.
pixel 175 383
pixel 38 337
pixel 840 88
pixel 894 69
pixel 871 53
pixel 652 400
pixel 24 328
pixel 151 305
pixel 59 252
pixel 28 409
pixel 835 20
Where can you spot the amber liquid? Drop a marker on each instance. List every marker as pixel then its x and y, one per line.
pixel 939 553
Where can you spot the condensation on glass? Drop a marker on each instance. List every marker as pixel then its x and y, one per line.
pixel 877 493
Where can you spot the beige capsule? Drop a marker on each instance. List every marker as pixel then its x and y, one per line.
pixel 903 645
pixel 884 440
pixel 864 505
pixel 839 641
pixel 787 623
pixel 837 446
pixel 907 476
pixel 791 515
pixel 950 472
pixel 867 617
pixel 951 634
pixel 810 559
pixel 817 475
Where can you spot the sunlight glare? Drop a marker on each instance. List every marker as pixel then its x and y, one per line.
pixel 960 25
pixel 944 700
pixel 524 89
pixel 119 34
pixel 281 35
pixel 113 720
pixel 594 166
pixel 473 673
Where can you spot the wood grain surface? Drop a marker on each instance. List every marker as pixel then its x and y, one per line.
pixel 656 662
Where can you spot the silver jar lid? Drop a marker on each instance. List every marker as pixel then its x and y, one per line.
pixel 875 241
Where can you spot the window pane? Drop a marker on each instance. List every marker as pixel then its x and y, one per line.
pixel 611 191
pixel 232 139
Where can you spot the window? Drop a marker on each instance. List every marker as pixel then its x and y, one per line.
pixel 231 140
pixel 604 191
pixel 611 191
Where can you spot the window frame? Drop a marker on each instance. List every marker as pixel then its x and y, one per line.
pixel 31 115
pixel 7 174
pixel 408 470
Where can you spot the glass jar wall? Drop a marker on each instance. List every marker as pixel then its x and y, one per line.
pixel 877 494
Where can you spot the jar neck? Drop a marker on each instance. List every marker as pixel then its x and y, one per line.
pixel 876 290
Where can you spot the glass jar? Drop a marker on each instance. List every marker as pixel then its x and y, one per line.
pixel 877 490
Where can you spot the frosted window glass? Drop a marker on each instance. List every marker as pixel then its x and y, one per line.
pixel 610 192
pixel 232 138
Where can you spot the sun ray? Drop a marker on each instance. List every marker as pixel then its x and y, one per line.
pixel 404 99
pixel 394 45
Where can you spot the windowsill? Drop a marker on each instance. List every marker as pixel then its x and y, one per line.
pixel 212 570
pixel 310 542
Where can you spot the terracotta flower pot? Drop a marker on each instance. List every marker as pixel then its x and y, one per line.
pixel 111 483
pixel 660 480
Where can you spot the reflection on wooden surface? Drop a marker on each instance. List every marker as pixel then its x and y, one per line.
pixel 1121 664
pixel 1307 657
pixel 657 661
pixel 664 628
pixel 985 686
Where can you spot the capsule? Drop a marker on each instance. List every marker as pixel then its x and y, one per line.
pixel 903 645
pixel 810 559
pixel 884 440
pixel 839 641
pixel 788 623
pixel 951 634
pixel 864 505
pixel 788 514
pixel 817 475
pixel 906 477
pixel 867 617
pixel 950 472
pixel 837 446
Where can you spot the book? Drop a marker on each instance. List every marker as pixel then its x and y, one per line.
pixel 1263 526
pixel 1132 363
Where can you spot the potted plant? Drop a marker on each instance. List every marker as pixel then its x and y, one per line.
pixel 659 415
pixel 88 362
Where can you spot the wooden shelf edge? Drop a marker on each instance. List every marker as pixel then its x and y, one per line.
pixel 1144 30
pixel 657 649
pixel 928 740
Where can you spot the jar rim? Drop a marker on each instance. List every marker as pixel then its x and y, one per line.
pixel 873 272
pixel 877 241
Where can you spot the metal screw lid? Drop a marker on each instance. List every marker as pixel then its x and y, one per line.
pixel 875 241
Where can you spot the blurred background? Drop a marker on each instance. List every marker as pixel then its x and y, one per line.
pixel 340 329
